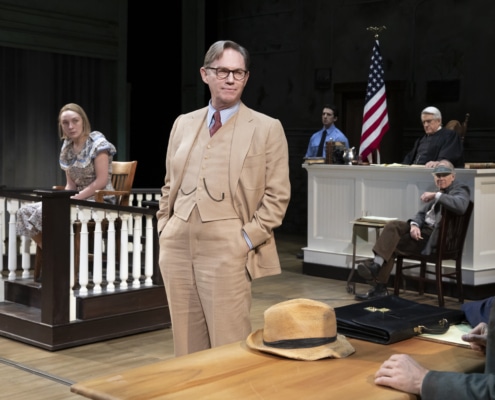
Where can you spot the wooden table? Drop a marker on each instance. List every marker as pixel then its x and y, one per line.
pixel 235 372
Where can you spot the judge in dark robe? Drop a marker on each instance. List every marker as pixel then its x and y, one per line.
pixel 436 144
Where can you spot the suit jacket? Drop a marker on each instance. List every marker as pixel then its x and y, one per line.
pixel 455 198
pixel 457 386
pixel 258 181
pixel 445 145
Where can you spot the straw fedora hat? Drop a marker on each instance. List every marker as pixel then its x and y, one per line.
pixel 301 329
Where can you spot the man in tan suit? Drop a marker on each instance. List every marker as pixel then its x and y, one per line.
pixel 226 188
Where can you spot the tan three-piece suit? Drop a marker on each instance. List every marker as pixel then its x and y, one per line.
pixel 217 191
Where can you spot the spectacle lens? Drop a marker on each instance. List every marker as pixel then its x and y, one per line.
pixel 223 73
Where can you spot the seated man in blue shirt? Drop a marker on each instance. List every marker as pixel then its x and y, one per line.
pixel 329 132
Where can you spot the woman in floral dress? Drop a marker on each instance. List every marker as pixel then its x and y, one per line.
pixel 86 157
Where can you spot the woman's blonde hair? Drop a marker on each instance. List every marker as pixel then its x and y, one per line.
pixel 79 110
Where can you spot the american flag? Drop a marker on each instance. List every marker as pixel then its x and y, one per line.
pixel 375 115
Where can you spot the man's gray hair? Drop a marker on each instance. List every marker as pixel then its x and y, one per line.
pixel 216 51
pixel 435 112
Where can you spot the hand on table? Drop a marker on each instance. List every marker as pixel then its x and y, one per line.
pixel 401 372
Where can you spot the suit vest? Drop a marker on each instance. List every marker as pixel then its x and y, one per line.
pixel 205 182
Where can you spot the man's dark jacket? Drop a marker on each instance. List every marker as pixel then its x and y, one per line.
pixel 455 198
pixel 458 386
pixel 444 145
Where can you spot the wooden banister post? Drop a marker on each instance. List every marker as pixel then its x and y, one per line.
pixel 55 273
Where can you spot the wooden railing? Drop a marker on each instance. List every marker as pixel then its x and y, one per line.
pixel 84 212
pixel 105 279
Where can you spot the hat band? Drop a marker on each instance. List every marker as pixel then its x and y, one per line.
pixel 300 343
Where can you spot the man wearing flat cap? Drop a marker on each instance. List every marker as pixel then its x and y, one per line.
pixel 418 234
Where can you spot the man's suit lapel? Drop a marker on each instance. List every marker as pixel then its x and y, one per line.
pixel 186 135
pixel 241 142
pixel 190 130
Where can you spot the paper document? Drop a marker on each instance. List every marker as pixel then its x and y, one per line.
pixel 390 165
pixel 314 160
pixel 399 165
pixel 452 336
pixel 372 218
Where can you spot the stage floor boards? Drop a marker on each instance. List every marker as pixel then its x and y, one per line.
pixel 27 372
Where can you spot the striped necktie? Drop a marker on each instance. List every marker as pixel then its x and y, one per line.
pixel 217 124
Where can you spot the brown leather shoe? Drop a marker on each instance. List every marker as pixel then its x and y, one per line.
pixel 380 290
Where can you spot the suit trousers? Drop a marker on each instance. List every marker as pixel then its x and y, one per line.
pixel 394 238
pixel 203 265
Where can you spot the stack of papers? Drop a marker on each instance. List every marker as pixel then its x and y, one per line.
pixel 391 165
pixel 452 336
pixel 375 219
pixel 399 165
pixel 314 160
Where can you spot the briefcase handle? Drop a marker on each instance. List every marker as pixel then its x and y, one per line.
pixel 443 327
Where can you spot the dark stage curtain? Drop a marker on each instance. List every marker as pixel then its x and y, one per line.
pixel 34 86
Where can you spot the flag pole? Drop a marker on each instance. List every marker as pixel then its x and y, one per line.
pixel 375 115
pixel 376 31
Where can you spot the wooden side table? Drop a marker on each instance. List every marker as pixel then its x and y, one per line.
pixel 370 222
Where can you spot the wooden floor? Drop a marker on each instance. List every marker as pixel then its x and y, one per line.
pixel 27 372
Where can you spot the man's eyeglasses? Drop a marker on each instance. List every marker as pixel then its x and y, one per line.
pixel 428 121
pixel 223 73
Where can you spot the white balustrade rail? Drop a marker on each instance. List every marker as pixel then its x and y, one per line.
pixel 107 274
pixel 109 278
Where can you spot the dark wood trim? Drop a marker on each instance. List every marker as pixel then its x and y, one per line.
pixel 31 331
pixel 470 292
pixel 39 313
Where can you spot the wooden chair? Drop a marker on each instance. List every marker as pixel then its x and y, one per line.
pixel 123 173
pixel 459 128
pixel 450 244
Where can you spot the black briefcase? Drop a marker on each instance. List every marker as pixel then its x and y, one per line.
pixel 390 319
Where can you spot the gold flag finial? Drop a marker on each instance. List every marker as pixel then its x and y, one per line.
pixel 376 30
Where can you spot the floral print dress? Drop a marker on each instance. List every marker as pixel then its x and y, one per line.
pixel 81 169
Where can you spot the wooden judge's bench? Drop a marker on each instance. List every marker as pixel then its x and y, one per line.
pixel 339 194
